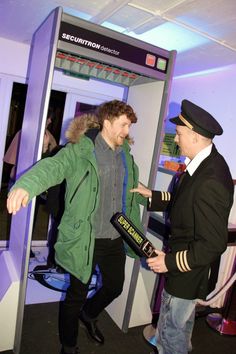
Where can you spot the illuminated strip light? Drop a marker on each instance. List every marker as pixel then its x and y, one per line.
pixel 90 68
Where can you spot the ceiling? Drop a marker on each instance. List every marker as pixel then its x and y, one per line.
pixel 203 32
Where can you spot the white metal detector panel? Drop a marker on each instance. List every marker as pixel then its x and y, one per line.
pixel 146 101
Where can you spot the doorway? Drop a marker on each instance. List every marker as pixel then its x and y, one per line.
pixel 15 120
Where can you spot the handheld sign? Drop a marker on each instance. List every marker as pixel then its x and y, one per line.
pixel 133 236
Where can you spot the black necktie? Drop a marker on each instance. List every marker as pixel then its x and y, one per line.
pixel 181 178
pixel 178 181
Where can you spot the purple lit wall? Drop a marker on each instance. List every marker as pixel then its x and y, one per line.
pixel 215 91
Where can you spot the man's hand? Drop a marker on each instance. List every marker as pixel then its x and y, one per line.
pixel 17 198
pixel 141 189
pixel 157 264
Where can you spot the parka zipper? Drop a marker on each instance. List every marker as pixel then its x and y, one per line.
pixel 91 223
pixel 79 185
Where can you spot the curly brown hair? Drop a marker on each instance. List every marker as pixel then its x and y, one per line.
pixel 113 109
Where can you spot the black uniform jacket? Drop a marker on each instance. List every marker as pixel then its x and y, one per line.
pixel 199 211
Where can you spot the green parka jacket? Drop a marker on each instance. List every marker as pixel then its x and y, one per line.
pixel 77 164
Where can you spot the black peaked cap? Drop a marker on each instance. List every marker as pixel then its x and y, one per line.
pixel 198 120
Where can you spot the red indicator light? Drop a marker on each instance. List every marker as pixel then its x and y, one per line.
pixel 150 60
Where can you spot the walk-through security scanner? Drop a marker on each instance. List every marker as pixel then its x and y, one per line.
pixel 143 72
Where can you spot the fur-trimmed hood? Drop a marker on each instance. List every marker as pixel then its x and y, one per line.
pixel 80 125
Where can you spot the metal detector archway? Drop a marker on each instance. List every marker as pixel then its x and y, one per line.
pixel 86 50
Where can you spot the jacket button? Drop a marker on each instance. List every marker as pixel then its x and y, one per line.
pixel 94 189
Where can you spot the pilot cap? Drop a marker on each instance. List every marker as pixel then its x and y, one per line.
pixel 198 120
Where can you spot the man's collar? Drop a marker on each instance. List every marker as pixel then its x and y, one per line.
pixel 193 164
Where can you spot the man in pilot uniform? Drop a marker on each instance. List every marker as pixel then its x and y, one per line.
pixel 199 209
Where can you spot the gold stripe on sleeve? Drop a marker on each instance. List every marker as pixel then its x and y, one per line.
pixel 186 261
pixel 165 196
pixel 181 261
pixel 177 261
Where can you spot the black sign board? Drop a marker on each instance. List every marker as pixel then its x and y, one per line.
pixel 110 46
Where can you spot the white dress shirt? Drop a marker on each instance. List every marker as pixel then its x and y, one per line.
pixel 193 164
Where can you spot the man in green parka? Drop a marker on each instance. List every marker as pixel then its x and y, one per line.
pixel 99 171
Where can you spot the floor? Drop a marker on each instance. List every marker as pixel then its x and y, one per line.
pixel 40 336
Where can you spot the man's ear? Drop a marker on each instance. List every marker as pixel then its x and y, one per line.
pixel 106 123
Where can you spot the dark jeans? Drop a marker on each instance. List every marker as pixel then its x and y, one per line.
pixel 110 257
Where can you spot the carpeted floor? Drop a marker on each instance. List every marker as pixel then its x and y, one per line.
pixel 40 336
